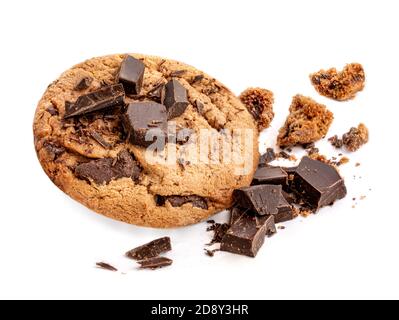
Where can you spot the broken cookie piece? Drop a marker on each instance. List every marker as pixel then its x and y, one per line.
pixel 307 122
pixel 104 170
pixel 339 85
pixel 259 103
pixel 356 137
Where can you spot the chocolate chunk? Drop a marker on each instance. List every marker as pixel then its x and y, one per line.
pixel 151 249
pixel 267 157
pixel 54 149
pixel 131 75
pixel 196 201
pixel 235 213
pixel 156 92
pixel 290 197
pixel 289 170
pixel 177 73
pixel 270 175
pixel 197 78
pixel 100 140
pixel 145 122
pixel 262 198
pixel 247 234
pixel 104 170
pixel 174 97
pixel 318 183
pixel 83 83
pixel 155 263
pixel 106 266
pixel 285 211
pixel 104 98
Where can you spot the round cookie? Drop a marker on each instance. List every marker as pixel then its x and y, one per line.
pixel 91 157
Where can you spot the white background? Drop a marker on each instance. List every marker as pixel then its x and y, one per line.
pixel 49 243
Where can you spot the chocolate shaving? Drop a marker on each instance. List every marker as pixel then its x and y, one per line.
pixel 177 73
pixel 155 263
pixel 106 266
pixel 100 140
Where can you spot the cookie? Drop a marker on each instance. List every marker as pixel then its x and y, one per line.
pixel 91 128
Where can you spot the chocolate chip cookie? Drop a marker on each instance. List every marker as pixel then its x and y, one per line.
pixel 145 140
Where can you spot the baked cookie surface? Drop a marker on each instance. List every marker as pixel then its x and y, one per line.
pixel 91 156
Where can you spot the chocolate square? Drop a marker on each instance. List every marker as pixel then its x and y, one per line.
pixel 270 175
pixel 174 97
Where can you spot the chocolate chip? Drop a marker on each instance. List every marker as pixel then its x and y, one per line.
pixel 155 263
pixel 270 175
pixel 196 201
pixel 106 266
pixel 151 249
pixel 106 97
pixel 83 83
pixel 52 110
pixel 197 78
pixel 177 73
pixel 131 75
pixel 156 92
pixel 267 157
pixel 143 119
pixel 104 170
pixel 54 149
pixel 174 97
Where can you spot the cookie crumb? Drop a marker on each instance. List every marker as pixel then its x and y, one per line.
pixel 355 137
pixel 339 85
pixel 336 142
pixel 357 164
pixel 259 103
pixel 307 122
pixel 281 227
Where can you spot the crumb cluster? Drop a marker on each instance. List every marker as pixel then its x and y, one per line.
pixel 307 122
pixel 259 103
pixel 339 85
pixel 353 139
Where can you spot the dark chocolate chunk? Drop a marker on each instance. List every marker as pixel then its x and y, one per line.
pixel 100 140
pixel 155 263
pixel 318 183
pixel 146 122
pixel 289 170
pixel 104 170
pixel 270 175
pixel 285 211
pixel 247 234
pixel 196 201
pixel 106 266
pixel 104 98
pixel 235 213
pixel 174 97
pixel 151 249
pixel 83 83
pixel 197 78
pixel 267 157
pixel 263 199
pixel 54 149
pixel 131 75
pixel 156 92
pixel 290 197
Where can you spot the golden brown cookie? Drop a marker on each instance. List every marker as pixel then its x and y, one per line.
pixel 88 142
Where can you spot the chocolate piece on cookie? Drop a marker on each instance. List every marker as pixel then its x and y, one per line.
pixel 83 83
pixel 106 97
pixel 247 234
pixel 259 103
pixel 174 97
pixel 307 122
pixel 263 199
pixel 151 249
pixel 104 170
pixel 146 121
pixel 131 75
pixel 339 85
